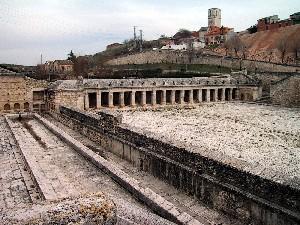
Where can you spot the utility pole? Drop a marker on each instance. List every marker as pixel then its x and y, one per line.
pixel 134 36
pixel 141 40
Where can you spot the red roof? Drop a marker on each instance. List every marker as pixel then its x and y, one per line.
pixel 212 31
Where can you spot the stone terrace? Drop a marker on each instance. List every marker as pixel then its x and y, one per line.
pixel 263 140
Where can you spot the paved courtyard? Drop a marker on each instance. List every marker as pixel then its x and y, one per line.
pixel 63 172
pixel 263 140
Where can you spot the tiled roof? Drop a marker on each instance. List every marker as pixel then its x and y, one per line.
pixel 64 62
pixel 140 83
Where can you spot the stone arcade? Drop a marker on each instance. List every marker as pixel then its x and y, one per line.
pixel 154 92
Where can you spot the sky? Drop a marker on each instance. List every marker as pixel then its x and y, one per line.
pixel 29 28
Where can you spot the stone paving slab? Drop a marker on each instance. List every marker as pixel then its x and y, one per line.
pixel 183 201
pixel 16 185
pixel 150 198
pixel 66 173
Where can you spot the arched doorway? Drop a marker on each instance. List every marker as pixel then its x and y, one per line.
pixel 7 107
pixel 16 106
pixel 26 106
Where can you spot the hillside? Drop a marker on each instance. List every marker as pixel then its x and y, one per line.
pixel 262 45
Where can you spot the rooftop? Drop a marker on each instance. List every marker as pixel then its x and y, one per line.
pixel 150 82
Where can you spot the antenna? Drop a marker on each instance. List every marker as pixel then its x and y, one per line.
pixel 141 40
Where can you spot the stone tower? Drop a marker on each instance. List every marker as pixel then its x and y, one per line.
pixel 214 17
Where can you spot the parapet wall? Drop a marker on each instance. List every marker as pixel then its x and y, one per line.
pixel 153 57
pixel 249 197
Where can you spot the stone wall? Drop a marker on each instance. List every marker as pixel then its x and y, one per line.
pixel 249 197
pixel 153 57
pixel 286 92
pixel 17 92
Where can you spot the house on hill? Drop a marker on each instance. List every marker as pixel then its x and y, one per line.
pixel 59 66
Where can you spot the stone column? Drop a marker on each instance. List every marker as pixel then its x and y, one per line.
pixel 164 97
pixel 98 99
pixel 144 98
pixel 223 94
pixel 191 97
pixel 173 97
pixel 121 99
pixel 110 99
pixel 132 102
pixel 181 98
pixel 86 101
pixel 153 98
pixel 208 95
pixel 230 94
pixel 216 95
pixel 200 95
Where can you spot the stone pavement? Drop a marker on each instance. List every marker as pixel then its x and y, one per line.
pixel 181 200
pixel 16 186
pixel 66 173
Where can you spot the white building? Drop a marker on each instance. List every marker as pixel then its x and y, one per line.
pixel 175 47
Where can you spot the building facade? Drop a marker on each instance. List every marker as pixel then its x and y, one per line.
pixel 20 93
pixel 273 22
pixel 217 35
pixel 59 66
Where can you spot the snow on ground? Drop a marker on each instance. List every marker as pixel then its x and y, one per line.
pixel 263 140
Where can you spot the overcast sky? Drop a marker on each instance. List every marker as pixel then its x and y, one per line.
pixel 54 27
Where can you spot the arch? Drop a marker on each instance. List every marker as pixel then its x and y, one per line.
pixel 6 106
pixel 16 106
pixel 26 106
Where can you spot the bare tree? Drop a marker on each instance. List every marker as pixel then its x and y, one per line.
pixel 283 46
pixel 234 43
pixel 227 47
pixel 294 46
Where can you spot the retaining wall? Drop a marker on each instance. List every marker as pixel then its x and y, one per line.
pixel 225 188
pixel 152 57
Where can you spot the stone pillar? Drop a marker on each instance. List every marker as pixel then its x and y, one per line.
pixel 223 94
pixel 121 99
pixel 110 99
pixel 164 97
pixel 98 99
pixel 86 101
pixel 216 95
pixel 132 102
pixel 208 95
pixel 200 95
pixel 181 98
pixel 191 97
pixel 237 94
pixel 144 98
pixel 230 94
pixel 153 97
pixel 173 97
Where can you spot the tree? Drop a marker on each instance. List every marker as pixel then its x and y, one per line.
pixel 294 46
pixel 81 66
pixel 183 33
pixel 234 43
pixel 71 56
pixel 283 46
pixel 252 29
pixel 244 49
